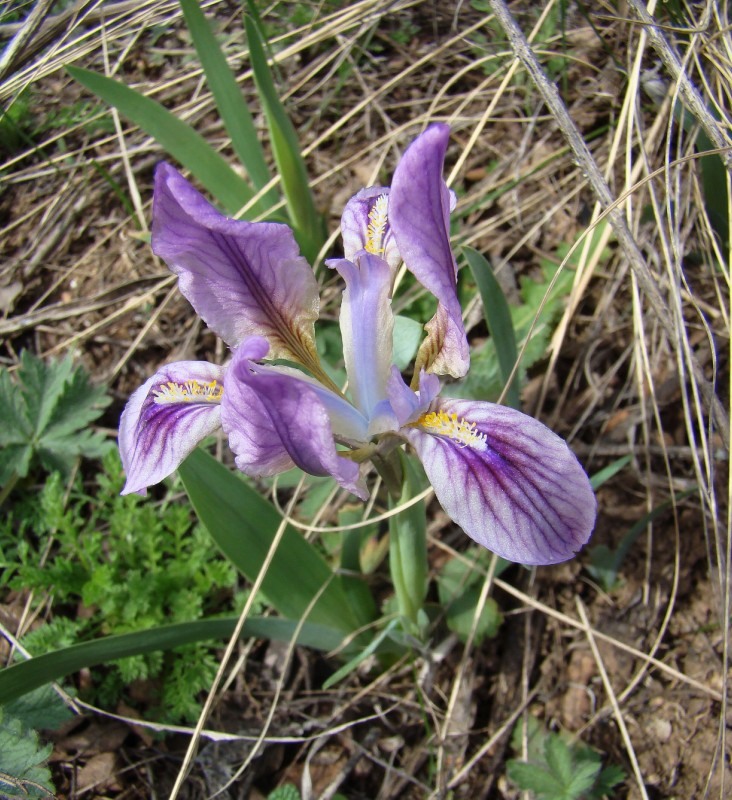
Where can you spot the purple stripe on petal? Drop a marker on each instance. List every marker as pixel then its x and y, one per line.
pixel 275 421
pixel 518 490
pixel 166 418
pixel 419 213
pixel 242 278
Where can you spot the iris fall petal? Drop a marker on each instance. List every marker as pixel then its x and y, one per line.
pixel 166 418
pixel 242 278
pixel 517 489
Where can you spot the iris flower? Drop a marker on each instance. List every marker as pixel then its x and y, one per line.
pixel 508 481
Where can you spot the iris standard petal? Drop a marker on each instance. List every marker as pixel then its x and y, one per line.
pixel 166 418
pixel 275 421
pixel 242 278
pixel 367 328
pixel 365 226
pixel 509 482
pixel 419 214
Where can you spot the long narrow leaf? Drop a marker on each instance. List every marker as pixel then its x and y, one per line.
pixel 232 107
pixel 243 525
pixel 180 140
pixel 306 221
pixel 25 676
pixel 498 319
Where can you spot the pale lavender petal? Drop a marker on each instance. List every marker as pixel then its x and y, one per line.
pixel 275 421
pixel 365 226
pixel 511 484
pixel 166 418
pixel 242 278
pixel 367 326
pixel 419 213
pixel 407 404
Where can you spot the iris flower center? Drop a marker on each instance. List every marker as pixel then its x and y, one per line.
pixel 191 391
pixel 378 219
pixel 440 423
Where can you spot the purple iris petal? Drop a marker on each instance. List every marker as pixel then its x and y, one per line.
pixel 419 213
pixel 242 278
pixel 408 405
pixel 365 226
pixel 512 484
pixel 166 418
pixel 275 421
pixel 367 327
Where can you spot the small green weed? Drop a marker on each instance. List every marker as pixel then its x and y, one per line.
pixel 45 411
pixel 118 564
pixel 558 769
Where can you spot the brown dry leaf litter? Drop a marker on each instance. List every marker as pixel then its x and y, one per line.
pixel 77 275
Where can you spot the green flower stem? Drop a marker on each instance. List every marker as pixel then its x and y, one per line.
pixel 408 548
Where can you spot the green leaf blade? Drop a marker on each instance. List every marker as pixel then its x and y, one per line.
pixel 498 319
pixel 243 525
pixel 176 137
pixel 307 223
pixel 230 103
pixel 25 676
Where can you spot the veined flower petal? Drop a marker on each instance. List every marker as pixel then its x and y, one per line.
pixel 365 226
pixel 419 213
pixel 242 278
pixel 166 418
pixel 509 482
pixel 367 328
pixel 275 421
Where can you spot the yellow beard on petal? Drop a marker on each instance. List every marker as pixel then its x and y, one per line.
pixel 191 391
pixel 378 219
pixel 465 433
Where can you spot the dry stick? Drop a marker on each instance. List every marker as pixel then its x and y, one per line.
pixel 236 635
pixel 689 93
pixel 613 700
pixel 23 36
pixel 616 215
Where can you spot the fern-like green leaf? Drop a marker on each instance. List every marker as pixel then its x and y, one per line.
pixel 23 770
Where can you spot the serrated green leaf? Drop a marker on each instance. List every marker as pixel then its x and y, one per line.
pixel 23 770
pixel 607 780
pixel 15 427
pixel 176 137
pixel 42 385
pixel 230 103
pixel 42 708
pixel 583 778
pixel 559 759
pixel 533 778
pixel 286 792
pixel 307 223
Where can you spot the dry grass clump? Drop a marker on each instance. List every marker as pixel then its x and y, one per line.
pixel 638 364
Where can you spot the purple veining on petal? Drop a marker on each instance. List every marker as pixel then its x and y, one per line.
pixel 242 278
pixel 419 212
pixel 522 495
pixel 275 421
pixel 155 437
